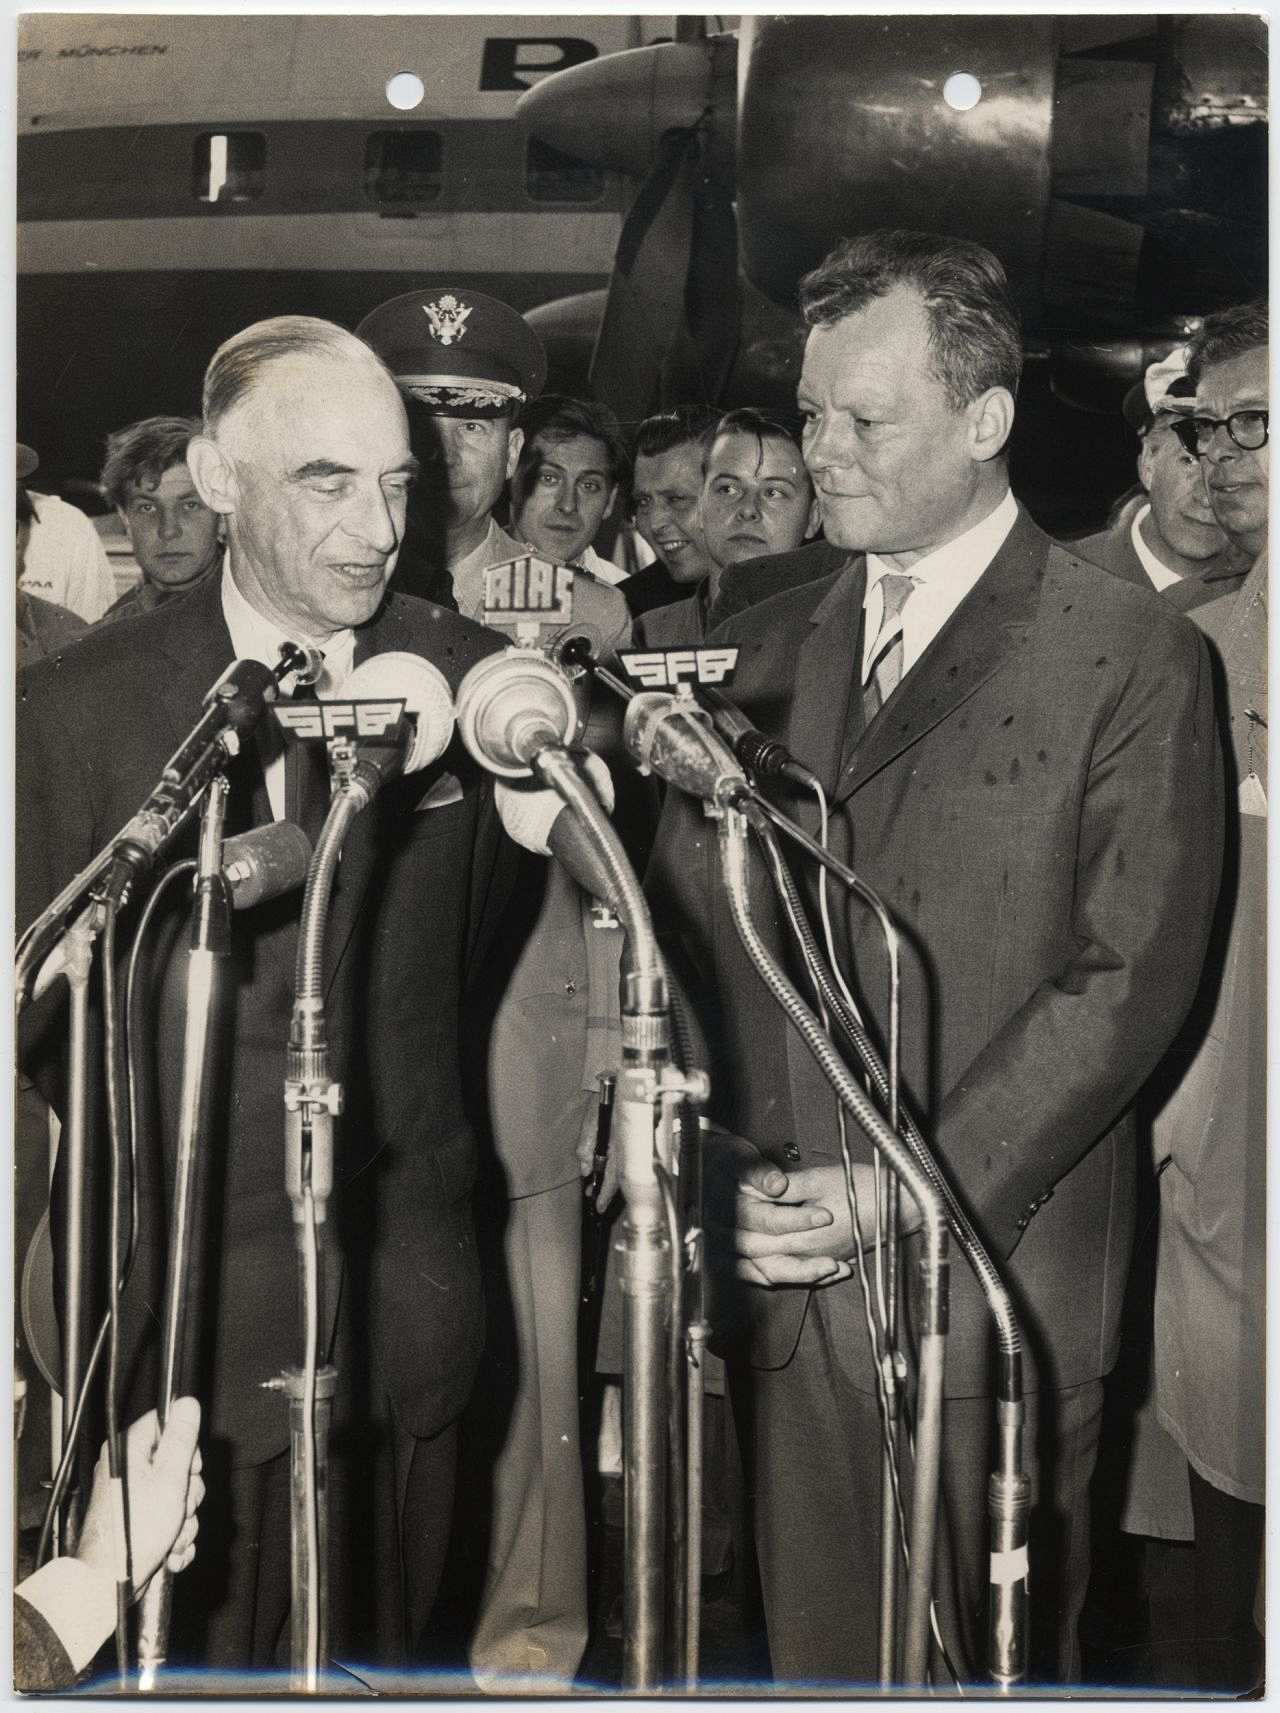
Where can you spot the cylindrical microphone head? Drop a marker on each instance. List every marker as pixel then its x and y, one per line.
pixel 513 704
pixel 313 664
pixel 674 737
pixel 424 690
pixel 265 862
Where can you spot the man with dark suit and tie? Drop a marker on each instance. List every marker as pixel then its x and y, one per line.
pixel 1019 757
pixel 305 454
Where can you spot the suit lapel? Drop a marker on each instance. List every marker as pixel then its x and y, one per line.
pixel 988 628
pixel 826 677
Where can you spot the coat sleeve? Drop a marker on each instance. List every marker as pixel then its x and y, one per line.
pixel 1067 1063
pixel 54 824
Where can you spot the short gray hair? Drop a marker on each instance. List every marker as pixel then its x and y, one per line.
pixel 1230 333
pixel 238 362
pixel 974 339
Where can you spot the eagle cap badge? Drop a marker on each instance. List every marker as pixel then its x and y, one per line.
pixel 448 318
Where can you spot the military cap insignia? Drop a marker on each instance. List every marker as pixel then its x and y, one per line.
pixel 448 318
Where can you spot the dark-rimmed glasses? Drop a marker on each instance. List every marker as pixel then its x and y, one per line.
pixel 1248 428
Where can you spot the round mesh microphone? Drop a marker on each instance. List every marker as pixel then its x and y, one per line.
pixel 399 676
pixel 513 704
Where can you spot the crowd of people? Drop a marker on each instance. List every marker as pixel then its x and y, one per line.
pixel 1048 758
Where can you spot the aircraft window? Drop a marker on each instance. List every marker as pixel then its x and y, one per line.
pixel 229 166
pixel 551 176
pixel 404 166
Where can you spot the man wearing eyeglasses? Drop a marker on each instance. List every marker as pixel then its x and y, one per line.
pixel 1210 1136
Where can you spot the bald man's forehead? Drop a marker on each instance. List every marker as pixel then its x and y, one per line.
pixel 305 394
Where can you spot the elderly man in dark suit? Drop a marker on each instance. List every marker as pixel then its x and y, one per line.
pixel 305 453
pixel 1019 757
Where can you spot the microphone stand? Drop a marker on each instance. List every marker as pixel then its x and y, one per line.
pixel 935 1265
pixel 77 952
pixel 656 1616
pixel 1008 1490
pixel 210 948
pixel 312 1100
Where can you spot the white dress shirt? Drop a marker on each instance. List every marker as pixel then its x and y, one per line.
pixel 1159 573
pixel 942 580
pixel 255 637
pixel 600 567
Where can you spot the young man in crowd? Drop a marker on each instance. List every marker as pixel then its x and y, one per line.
pixel 175 537
pixel 757 502
pixel 571 468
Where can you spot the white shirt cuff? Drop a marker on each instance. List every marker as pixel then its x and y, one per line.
pixel 79 1605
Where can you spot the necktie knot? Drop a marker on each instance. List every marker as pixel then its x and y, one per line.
pixel 895 587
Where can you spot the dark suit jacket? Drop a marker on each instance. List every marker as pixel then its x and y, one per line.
pixel 683 621
pixel 755 580
pixel 417 887
pixel 1037 804
pixel 1113 550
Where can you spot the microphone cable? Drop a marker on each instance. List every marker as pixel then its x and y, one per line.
pixel 134 1051
pixel 117 1143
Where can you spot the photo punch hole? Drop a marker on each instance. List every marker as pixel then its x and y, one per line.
pixel 405 90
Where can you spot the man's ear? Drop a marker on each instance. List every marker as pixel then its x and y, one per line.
pixel 1146 460
pixel 814 519
pixel 990 423
pixel 213 475
pixel 514 446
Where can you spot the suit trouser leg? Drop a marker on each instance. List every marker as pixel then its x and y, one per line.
pixel 533 1614
pixel 1228 1563
pixel 812 1447
pixel 389 1506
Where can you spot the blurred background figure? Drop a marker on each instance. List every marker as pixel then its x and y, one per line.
pixel 1165 530
pixel 666 485
pixel 60 557
pixel 176 539
pixel 43 627
pixel 1211 1138
pixel 757 503
pixel 571 468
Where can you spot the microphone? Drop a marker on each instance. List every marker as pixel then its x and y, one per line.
pixel 425 731
pixel 511 706
pixel 672 737
pixel 257 866
pixel 263 863
pixel 232 709
pixel 765 757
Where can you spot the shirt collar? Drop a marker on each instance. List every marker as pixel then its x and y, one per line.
pixel 977 546
pixel 1159 573
pixel 256 637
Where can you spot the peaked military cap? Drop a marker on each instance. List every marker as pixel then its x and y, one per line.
pixel 459 352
